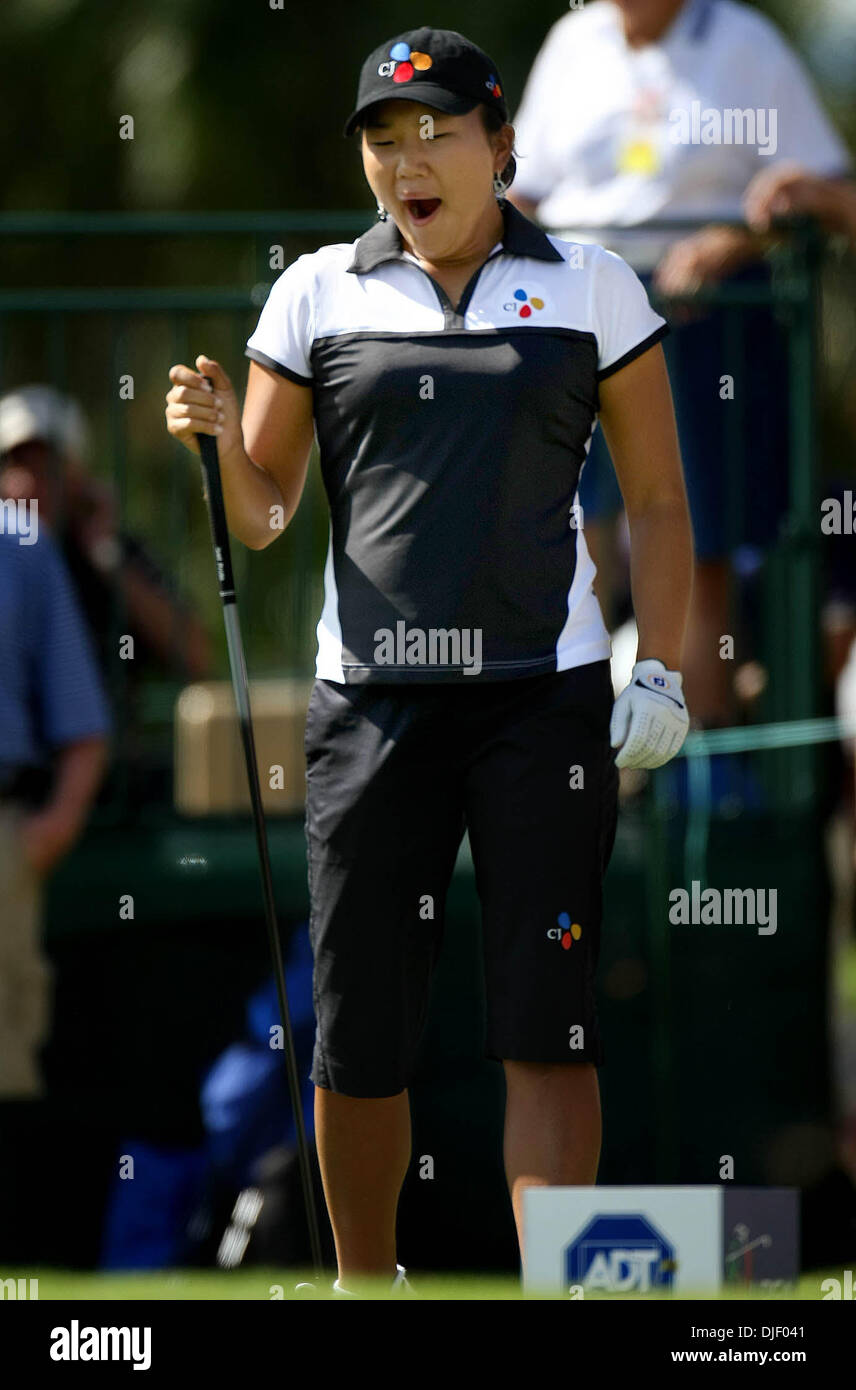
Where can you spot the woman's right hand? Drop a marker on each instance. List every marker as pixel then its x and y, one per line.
pixel 193 407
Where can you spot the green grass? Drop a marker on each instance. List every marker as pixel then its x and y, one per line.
pixel 267 1283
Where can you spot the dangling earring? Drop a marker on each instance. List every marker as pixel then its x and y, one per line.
pixel 499 187
pixel 382 212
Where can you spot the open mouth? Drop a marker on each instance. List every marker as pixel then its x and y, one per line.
pixel 421 210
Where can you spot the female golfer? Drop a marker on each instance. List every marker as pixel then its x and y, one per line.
pixel 453 361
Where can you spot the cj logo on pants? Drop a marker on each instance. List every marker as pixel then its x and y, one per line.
pixel 567 932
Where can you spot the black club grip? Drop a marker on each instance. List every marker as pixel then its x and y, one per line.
pixel 212 489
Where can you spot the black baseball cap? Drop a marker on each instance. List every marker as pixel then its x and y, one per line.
pixel 437 66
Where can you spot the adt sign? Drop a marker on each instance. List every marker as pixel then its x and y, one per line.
pixel 620 1253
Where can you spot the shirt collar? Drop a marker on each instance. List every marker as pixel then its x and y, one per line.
pixel 692 21
pixel 383 242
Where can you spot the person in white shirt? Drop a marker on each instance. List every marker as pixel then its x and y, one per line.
pixel 640 112
pixel 619 121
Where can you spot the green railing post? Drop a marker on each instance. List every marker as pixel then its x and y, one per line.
pixel 792 578
pixel 119 682
pixel 804 522
pixel 658 861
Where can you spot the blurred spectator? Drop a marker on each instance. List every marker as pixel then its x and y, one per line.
pixel 43 445
pixel 53 727
pixel 617 131
pixel 178 1210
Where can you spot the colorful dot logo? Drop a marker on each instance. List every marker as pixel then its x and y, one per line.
pixel 493 86
pixel 404 62
pixel 571 931
pixel 522 304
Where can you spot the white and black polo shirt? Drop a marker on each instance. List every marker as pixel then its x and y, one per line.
pixel 451 443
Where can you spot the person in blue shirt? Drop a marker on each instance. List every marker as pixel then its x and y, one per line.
pixel 54 727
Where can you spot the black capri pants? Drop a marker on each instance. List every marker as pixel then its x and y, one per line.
pixel 395 774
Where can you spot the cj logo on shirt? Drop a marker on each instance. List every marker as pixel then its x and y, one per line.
pixel 522 304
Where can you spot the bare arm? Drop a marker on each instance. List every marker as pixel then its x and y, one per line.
pixel 638 422
pixel 167 625
pixel 263 457
pixel 51 832
pixel 170 629
pixel 278 431
pixel 787 189
pixel 707 256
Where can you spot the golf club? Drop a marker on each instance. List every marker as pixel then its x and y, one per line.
pixel 213 493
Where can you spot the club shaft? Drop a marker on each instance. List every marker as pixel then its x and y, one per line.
pixel 213 490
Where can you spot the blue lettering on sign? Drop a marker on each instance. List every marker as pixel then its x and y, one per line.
pixel 620 1253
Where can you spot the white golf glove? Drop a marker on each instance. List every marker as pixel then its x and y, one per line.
pixel 649 719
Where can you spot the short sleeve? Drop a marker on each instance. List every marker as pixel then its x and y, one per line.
pixel 68 688
pixel 283 336
pixel 622 319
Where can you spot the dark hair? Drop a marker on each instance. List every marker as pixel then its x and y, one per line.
pixel 492 122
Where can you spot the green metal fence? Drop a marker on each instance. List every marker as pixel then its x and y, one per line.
pixel 84 337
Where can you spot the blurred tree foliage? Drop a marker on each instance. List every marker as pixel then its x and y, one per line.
pixel 240 105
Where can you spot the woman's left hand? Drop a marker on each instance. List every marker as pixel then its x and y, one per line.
pixel 649 718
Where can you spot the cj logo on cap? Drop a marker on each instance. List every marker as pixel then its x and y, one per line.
pixel 404 63
pixel 493 86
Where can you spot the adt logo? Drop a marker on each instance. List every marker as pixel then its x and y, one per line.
pixel 620 1253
